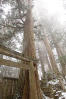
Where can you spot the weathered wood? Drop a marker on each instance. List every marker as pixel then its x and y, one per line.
pixel 8 52
pixel 33 90
pixel 13 64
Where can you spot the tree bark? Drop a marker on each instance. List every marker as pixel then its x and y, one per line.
pixel 60 54
pixel 52 60
pixel 29 51
pixel 42 61
pixel 51 56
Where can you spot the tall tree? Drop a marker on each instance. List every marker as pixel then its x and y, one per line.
pixel 42 61
pixel 52 60
pixel 43 58
pixel 51 56
pixel 31 91
pixel 60 54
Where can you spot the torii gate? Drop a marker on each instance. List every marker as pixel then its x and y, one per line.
pixel 25 64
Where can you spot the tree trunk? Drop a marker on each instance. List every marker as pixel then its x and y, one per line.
pixel 60 54
pixel 52 60
pixel 42 61
pixel 43 58
pixel 50 69
pixel 29 51
pixel 51 56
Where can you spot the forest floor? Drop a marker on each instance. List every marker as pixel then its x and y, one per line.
pixel 54 91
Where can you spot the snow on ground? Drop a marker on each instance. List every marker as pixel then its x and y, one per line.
pixel 45 97
pixel 60 93
pixel 48 98
pixel 63 95
pixel 53 82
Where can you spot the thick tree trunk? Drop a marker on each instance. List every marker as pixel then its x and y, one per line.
pixel 29 51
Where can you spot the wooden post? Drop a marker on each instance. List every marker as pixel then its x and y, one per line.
pixel 33 89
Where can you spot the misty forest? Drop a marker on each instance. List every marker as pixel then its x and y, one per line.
pixel 32 49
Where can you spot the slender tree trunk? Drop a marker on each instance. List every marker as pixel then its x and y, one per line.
pixel 52 60
pixel 60 54
pixel 43 58
pixel 42 61
pixel 51 56
pixel 50 69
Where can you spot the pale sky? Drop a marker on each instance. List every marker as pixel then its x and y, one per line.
pixel 51 8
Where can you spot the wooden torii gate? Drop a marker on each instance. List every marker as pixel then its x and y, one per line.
pixel 25 64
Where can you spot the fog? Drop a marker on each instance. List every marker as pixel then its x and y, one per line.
pixel 50 8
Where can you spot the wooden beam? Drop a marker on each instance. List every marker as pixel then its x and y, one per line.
pixel 8 52
pixel 13 64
